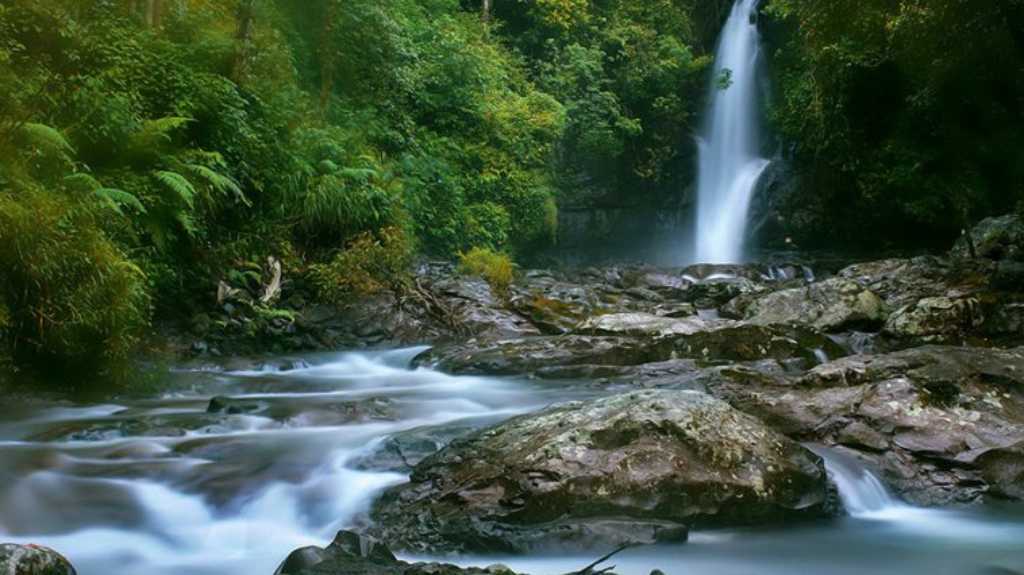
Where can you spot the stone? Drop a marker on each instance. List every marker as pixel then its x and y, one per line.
pixel 32 560
pixel 997 238
pixel 835 304
pixel 636 467
pixel 936 319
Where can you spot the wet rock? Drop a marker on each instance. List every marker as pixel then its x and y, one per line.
pixel 637 467
pixel 353 554
pixel 998 238
pixel 715 291
pixel 944 424
pixel 400 452
pixel 903 282
pixel 641 325
pixel 936 319
pixel 232 406
pixel 642 338
pixel 832 305
pixel 32 560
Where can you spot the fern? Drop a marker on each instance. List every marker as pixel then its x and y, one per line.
pixel 112 198
pixel 178 184
pixel 161 128
pixel 219 182
pixel 115 199
pixel 43 136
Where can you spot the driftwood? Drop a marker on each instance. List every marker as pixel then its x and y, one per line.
pixel 592 568
pixel 273 287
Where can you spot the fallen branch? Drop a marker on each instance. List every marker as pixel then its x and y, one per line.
pixel 589 569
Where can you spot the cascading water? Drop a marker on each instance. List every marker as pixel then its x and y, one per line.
pixel 730 165
pixel 862 494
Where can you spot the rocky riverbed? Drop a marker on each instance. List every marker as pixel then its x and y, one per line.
pixel 577 411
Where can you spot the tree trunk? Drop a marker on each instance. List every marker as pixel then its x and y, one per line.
pixel 154 9
pixel 243 37
pixel 485 13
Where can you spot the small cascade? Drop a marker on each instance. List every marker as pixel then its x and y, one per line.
pixel 862 493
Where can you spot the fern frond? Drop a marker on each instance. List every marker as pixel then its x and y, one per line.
pixel 178 184
pixel 115 199
pixel 44 136
pixel 219 182
pixel 161 128
pixel 187 223
pixel 83 180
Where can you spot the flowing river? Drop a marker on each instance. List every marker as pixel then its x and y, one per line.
pixel 162 486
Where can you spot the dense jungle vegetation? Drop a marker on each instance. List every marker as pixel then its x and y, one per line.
pixel 150 148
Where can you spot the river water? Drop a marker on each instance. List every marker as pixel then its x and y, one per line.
pixel 159 486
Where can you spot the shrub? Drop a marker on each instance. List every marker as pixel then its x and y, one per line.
pixel 73 297
pixel 370 263
pixel 487 225
pixel 494 267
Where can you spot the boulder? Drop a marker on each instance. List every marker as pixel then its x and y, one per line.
pixel 999 238
pixel 32 560
pixel 903 282
pixel 353 554
pixel 640 324
pixel 638 467
pixel 835 304
pixel 936 320
pixel 943 424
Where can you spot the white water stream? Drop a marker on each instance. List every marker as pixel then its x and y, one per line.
pixel 159 486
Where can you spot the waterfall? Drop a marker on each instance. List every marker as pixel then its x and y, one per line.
pixel 730 164
pixel 862 493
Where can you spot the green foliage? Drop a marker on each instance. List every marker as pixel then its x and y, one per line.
pixel 74 298
pixel 369 264
pixel 631 76
pixel 496 268
pixel 906 116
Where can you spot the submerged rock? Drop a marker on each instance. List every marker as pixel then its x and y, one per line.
pixel 32 560
pixel 637 467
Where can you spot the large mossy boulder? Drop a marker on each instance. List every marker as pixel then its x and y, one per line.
pixel 637 467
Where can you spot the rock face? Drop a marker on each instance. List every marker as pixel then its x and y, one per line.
pixel 32 560
pixel 353 554
pixel 944 424
pixel 637 467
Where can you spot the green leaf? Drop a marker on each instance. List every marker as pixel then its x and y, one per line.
pixel 178 184
pixel 219 182
pixel 44 136
pixel 115 199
